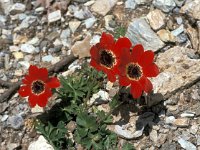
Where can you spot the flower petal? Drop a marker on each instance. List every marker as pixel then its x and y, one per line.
pixel 53 82
pixel 43 74
pixel 151 70
pixel 33 70
pixel 124 81
pixel 136 89
pixel 24 91
pixel 94 64
pixel 32 100
pixel 111 76
pixel 122 44
pixel 94 52
pixel 137 52
pixel 146 58
pixel 146 84
pixel 43 98
pixel 106 41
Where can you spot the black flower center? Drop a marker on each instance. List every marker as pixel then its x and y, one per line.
pixel 134 71
pixel 38 87
pixel 107 59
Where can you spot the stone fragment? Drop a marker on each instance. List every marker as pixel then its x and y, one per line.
pixel 73 25
pixel 37 109
pixel 41 143
pixel 131 4
pixel 95 39
pixel 90 22
pixel 178 31
pixel 71 126
pixel 108 20
pixel 192 8
pixel 102 7
pixel 139 2
pixel 18 55
pixel 187 114
pixel 198 27
pixel 27 22
pixel 6 5
pixel 194 128
pixel 164 5
pixel 186 145
pixel 181 122
pixel 193 35
pixel 27 48
pixel 166 36
pixel 154 136
pixel 81 1
pixel 7 61
pixel 54 16
pixel 178 68
pixel 82 48
pixel 99 98
pixel 16 121
pixel 140 32
pixel 17 8
pixel 47 58
pixel 169 120
pixel 156 19
pixel 19 39
pixel 83 13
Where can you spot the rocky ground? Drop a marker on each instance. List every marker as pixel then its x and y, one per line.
pixel 42 32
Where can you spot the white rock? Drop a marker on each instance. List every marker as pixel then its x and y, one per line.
pixel 6 5
pixel 40 144
pixel 27 48
pixel 37 109
pixel 170 120
pixel 73 25
pixel 25 64
pixel 90 22
pixel 102 7
pixel 14 48
pixel 54 16
pixel 142 1
pixel 4 118
pixel 83 13
pixel 39 9
pixel 47 58
pixel 186 145
pixel 34 41
pixel 164 5
pixel 108 19
pixel 95 39
pixel 178 31
pixel 17 8
pixel 99 98
pixel 187 114
pixel 130 4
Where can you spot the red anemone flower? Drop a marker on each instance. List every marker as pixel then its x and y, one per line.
pixel 135 67
pixel 105 55
pixel 37 85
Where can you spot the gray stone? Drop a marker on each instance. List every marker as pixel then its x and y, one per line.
pixel 164 5
pixel 95 39
pixel 4 118
pixel 140 32
pixel 27 48
pixel 169 120
pixel 17 8
pixel 187 114
pixel 16 122
pixel 154 136
pixel 83 13
pixel 29 20
pixel 178 69
pixel 193 36
pixel 90 22
pixel 130 4
pixel 108 20
pixel 139 2
pixel 47 58
pixel 198 140
pixel 54 16
pixel 186 145
pixel 194 128
pixel 102 7
pixel 81 1
pixel 99 98
pixel 6 5
pixel 179 20
pixel 178 31
pixel 179 2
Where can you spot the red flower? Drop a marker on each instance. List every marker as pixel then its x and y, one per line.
pixel 37 85
pixel 105 55
pixel 135 67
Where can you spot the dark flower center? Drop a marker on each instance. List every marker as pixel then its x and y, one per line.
pixel 38 87
pixel 107 58
pixel 134 71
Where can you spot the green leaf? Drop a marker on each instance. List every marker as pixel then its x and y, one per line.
pixel 128 146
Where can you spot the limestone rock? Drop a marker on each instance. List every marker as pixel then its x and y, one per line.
pixel 17 8
pixel 186 145
pixel 41 143
pixel 192 8
pixel 193 35
pixel 178 68
pixel 73 25
pixel 140 32
pixel 82 48
pixel 156 19
pixel 166 36
pixel 181 122
pixel 102 7
pixel 54 16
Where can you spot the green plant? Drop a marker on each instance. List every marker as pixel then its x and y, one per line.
pixel 119 32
